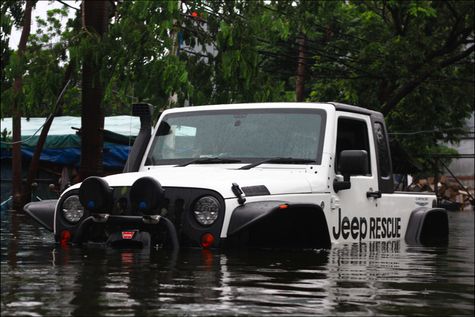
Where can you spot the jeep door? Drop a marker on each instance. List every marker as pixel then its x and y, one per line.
pixel 351 208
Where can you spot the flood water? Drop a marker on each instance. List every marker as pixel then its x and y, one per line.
pixel 39 279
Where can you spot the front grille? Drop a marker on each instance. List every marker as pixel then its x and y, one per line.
pixel 121 200
pixel 173 198
pixel 173 206
pixel 176 206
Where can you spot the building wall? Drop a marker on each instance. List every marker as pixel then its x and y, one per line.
pixel 464 168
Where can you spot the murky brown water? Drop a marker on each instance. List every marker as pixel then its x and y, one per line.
pixel 38 279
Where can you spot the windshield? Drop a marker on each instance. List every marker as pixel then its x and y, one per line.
pixel 248 135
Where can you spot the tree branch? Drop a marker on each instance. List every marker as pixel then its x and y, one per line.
pixel 68 5
pixel 396 17
pixel 407 88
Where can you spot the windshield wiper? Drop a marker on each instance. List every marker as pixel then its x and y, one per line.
pixel 278 160
pixel 209 160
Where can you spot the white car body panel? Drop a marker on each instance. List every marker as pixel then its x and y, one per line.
pixel 292 183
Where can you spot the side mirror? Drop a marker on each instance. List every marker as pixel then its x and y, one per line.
pixel 351 162
pixel 163 129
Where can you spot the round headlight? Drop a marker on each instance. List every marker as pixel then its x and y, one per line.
pixel 206 210
pixel 72 209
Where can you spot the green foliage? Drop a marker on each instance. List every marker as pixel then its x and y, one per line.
pixel 11 13
pixel 136 59
pixel 408 59
pixel 42 67
pixel 428 161
pixel 232 64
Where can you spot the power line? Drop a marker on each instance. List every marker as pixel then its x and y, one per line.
pixel 41 127
pixel 432 131
pixel 68 5
pixel 334 57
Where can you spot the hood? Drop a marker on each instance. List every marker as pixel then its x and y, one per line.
pixel 219 179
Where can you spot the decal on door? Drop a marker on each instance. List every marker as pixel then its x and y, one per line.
pixel 371 227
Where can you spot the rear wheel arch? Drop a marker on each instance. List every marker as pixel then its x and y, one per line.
pixel 427 226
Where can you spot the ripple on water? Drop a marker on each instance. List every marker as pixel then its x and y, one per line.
pixel 362 279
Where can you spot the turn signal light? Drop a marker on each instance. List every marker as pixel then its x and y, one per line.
pixel 207 240
pixel 64 237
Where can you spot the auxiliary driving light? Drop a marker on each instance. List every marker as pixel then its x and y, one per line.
pixel 95 195
pixel 145 195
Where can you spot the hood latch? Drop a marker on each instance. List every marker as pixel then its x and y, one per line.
pixel 239 193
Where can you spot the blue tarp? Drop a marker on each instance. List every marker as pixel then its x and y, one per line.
pixel 62 146
pixel 115 155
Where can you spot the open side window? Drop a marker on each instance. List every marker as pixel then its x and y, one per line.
pixel 352 134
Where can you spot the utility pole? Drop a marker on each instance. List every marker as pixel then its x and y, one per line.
pixel 95 20
pixel 17 113
pixel 300 81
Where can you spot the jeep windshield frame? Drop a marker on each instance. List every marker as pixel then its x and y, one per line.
pixel 246 136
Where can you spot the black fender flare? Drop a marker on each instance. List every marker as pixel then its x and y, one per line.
pixel 43 212
pixel 249 214
pixel 427 226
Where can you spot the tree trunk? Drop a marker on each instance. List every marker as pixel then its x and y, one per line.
pixel 16 114
pixel 300 81
pixel 95 20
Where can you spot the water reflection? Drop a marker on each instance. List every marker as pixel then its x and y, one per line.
pixel 354 279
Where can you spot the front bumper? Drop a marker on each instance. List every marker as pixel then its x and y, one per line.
pixel 110 229
pixel 171 221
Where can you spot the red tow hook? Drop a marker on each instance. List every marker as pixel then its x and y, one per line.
pixel 128 235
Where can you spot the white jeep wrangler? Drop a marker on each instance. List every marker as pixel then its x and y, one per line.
pixel 286 175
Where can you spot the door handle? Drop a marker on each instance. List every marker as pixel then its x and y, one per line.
pixel 376 194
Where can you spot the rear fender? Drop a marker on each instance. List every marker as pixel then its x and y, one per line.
pixel 427 226
pixel 42 212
